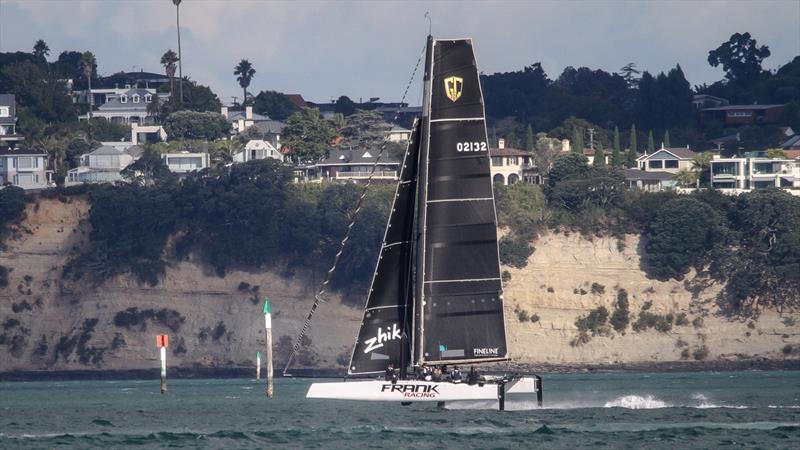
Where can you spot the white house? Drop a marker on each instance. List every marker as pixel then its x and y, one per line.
pixel 147 133
pixel 356 165
pixel 257 149
pixel 242 120
pixel 508 164
pixel 128 107
pixel 8 119
pixel 103 165
pixel 24 168
pixel 185 162
pixel 745 173
pixel 399 134
pixel 670 160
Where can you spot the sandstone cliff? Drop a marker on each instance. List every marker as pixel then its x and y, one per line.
pixel 51 323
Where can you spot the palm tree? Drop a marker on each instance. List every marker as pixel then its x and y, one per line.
pixel 245 73
pixel 87 64
pixel 686 177
pixel 177 4
pixel 168 60
pixel 701 163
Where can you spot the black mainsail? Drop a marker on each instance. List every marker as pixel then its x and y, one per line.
pixel 436 295
pixel 386 326
pixel 459 299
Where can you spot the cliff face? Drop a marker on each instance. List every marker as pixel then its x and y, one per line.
pixel 50 323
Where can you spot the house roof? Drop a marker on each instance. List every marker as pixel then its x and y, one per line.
pixel 297 100
pixel 636 174
pixel 270 126
pixel 234 116
pixel 115 104
pixel 792 143
pixel 679 152
pixel 742 107
pixel 507 151
pixel 792 154
pixel 106 150
pixel 135 151
pixel 7 151
pixel 353 157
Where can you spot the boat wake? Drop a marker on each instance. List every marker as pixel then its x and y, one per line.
pixel 697 400
pixel 637 402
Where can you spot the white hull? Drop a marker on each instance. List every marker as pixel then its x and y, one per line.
pixel 418 391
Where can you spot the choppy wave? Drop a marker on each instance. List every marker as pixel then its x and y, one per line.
pixel 637 402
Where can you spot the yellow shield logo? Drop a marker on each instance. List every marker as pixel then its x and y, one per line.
pixel 453 87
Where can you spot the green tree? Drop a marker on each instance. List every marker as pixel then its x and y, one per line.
pixel 339 121
pixel 686 177
pixel 666 139
pixel 244 72
pixel 630 74
pixel 345 106
pixel 365 130
pixel 530 143
pixel 577 140
pixel 274 104
pixel 149 170
pixel 169 60
pixel 511 139
pixel 40 49
pixel 776 153
pixel 196 125
pixel 572 165
pixel 651 146
pixel 599 155
pixel 616 152
pixel 679 236
pixel 494 137
pixel 40 96
pixel 87 64
pixel 632 154
pixel 740 58
pixel 308 135
pixel 701 163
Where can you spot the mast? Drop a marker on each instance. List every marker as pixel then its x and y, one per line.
pixel 419 226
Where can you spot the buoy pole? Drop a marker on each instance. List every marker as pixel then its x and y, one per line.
pixel 161 342
pixel 258 365
pixel 268 329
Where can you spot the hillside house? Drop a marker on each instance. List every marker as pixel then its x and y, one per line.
pixel 745 173
pixel 508 165
pixel 744 114
pixel 356 165
pixel 103 165
pixel 128 107
pixel 670 160
pixel 242 120
pixel 256 149
pixel 8 120
pixel 24 168
pixel 185 162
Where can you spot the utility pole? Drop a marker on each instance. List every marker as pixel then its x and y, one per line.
pixel 177 4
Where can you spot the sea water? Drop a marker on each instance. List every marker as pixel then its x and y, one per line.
pixel 609 410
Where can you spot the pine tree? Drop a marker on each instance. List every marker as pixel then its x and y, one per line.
pixel 511 139
pixel 529 142
pixel 666 139
pixel 599 155
pixel 494 137
pixel 630 158
pixel 577 137
pixel 651 146
pixel 616 152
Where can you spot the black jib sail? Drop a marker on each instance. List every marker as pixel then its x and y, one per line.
pixel 386 326
pixel 459 305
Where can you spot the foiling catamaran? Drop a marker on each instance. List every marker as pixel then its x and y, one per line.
pixel 436 296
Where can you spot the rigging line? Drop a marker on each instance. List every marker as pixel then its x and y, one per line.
pixel 318 297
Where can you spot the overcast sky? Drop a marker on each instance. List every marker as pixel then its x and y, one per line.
pixel 368 49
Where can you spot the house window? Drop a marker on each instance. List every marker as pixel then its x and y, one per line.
pixel 656 164
pixel 135 99
pixel 513 161
pixel 148 98
pixel 671 164
pixel 497 161
pixel 123 99
pixel 4 111
pixel 740 113
pixel 25 162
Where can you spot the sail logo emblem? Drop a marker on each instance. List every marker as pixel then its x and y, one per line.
pixel 392 333
pixel 453 87
pixel 486 351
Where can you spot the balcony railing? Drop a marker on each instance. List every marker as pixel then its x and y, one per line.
pixel 392 174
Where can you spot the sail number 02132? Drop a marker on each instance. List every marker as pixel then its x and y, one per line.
pixel 471 147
